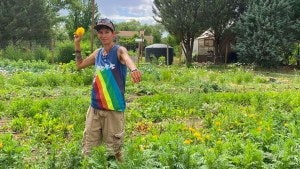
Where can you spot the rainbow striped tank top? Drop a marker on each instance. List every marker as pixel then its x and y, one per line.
pixel 109 82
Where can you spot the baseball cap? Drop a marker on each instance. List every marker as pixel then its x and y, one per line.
pixel 104 22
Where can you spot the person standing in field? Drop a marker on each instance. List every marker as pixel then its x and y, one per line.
pixel 105 120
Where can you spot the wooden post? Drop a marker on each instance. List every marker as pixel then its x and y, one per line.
pixel 167 59
pixel 226 53
pixel 298 55
pixel 139 53
pixel 180 53
pixel 142 36
pixel 92 26
pixel 52 51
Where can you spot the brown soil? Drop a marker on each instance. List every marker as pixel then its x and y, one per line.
pixel 4 125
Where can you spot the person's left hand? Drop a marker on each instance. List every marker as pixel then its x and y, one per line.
pixel 136 76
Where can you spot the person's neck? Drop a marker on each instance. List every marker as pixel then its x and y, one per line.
pixel 108 47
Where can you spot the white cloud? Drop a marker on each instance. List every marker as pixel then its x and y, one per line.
pixel 124 10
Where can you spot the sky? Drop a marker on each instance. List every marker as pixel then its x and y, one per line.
pixel 124 10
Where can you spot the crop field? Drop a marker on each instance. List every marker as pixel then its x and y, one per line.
pixel 206 116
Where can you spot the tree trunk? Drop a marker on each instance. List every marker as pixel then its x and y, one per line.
pixel 217 45
pixel 189 52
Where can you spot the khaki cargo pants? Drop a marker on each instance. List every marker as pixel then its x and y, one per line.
pixel 103 127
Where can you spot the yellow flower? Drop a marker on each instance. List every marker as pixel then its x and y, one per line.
pixel 197 134
pixel 192 129
pixel 252 115
pixel 259 129
pixel 188 141
pixel 155 137
pixel 218 123
pixel 70 127
pixel 79 31
pixel 208 137
pixel 142 148
pixel 1 145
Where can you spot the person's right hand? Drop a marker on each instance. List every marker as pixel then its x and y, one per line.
pixel 77 38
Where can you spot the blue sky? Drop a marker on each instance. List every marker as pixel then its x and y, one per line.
pixel 124 10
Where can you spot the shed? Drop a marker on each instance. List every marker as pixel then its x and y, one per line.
pixel 158 50
pixel 204 45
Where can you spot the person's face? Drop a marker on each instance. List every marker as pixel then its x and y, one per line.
pixel 105 35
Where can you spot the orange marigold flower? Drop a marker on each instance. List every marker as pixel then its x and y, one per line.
pixel 80 31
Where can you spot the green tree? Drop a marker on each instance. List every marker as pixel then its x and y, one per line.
pixel 6 17
pixel 296 9
pixel 132 25
pixel 80 14
pixel 221 14
pixel 183 19
pixel 27 20
pixel 155 31
pixel 129 42
pixel 174 42
pixel 265 32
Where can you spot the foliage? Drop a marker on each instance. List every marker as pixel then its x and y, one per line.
pixel 80 16
pixel 149 30
pixel 174 42
pixel 129 42
pixel 27 20
pixel 205 116
pixel 10 152
pixel 155 30
pixel 222 14
pixel 65 52
pixel 13 52
pixel 296 9
pixel 183 20
pixel 265 33
pixel 131 25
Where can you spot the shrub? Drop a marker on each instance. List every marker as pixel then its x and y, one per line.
pixel 11 152
pixel 15 53
pixel 65 52
pixel 265 33
pixel 41 53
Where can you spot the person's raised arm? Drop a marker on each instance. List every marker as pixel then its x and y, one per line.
pixel 125 59
pixel 80 62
